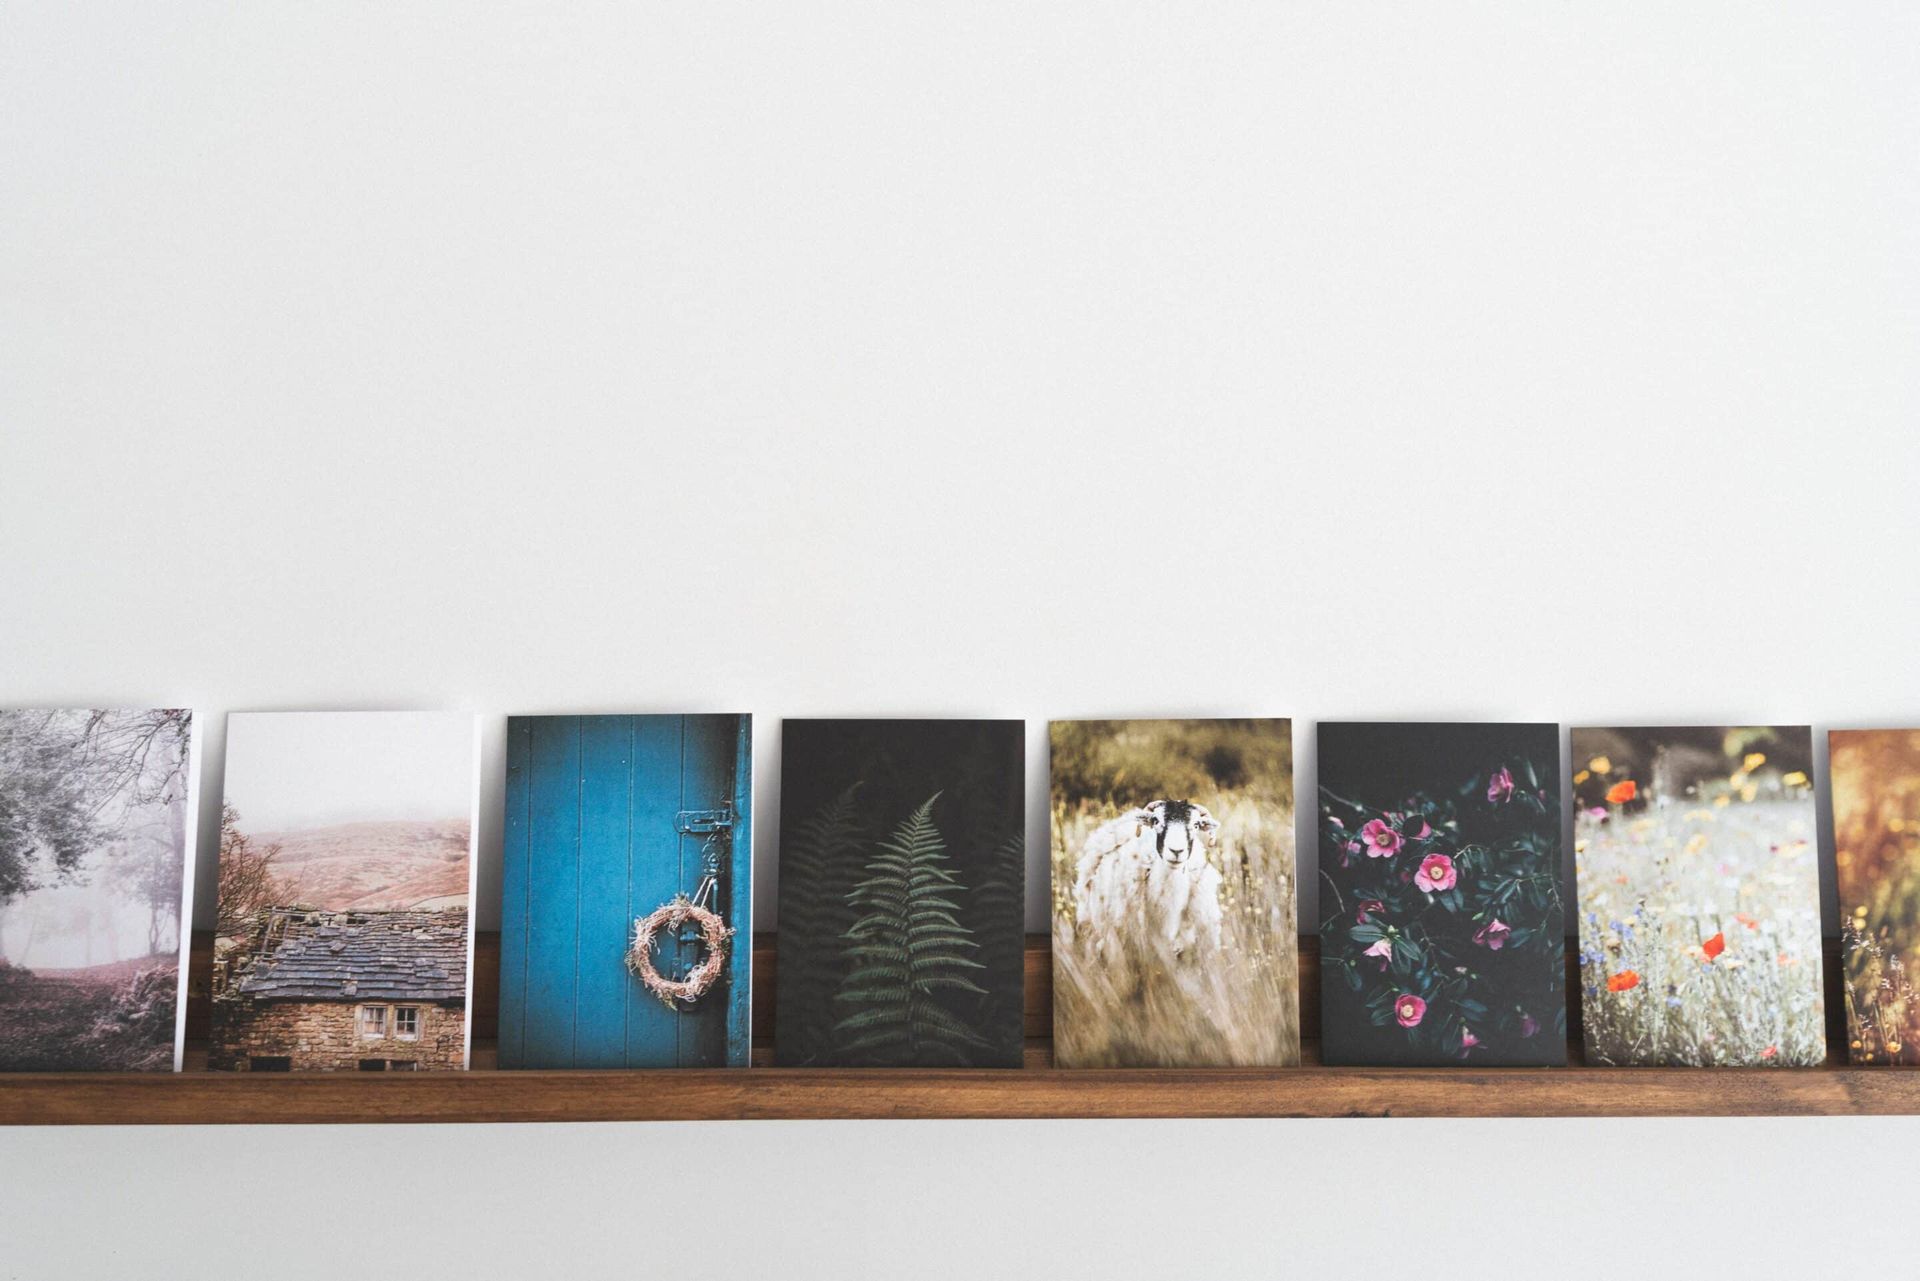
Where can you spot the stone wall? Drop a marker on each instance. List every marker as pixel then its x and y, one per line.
pixel 325 1036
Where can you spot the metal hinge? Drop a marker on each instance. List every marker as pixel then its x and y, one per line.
pixel 700 821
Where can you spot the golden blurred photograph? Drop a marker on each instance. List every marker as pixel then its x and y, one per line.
pixel 1875 776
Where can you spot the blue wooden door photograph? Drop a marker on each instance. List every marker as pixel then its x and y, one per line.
pixel 609 818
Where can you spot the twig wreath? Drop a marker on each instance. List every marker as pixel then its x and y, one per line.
pixel 671 916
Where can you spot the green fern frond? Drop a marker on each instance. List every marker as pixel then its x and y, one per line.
pixel 999 903
pixel 911 946
pixel 820 863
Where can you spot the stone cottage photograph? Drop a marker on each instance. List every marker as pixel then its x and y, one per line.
pixel 343 939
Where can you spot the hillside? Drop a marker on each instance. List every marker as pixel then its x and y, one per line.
pixel 373 865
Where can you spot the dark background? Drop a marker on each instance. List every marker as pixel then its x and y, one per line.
pixel 1383 765
pixel 978 767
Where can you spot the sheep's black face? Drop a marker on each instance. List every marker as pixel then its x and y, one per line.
pixel 1180 829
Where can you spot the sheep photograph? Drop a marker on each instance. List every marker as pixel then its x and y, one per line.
pixel 902 873
pixel 1875 777
pixel 1699 896
pixel 95 835
pixel 1441 920
pixel 1173 894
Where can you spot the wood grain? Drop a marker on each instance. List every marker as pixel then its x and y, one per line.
pixel 1038 1090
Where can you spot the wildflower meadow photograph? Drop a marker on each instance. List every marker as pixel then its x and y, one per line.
pixel 1441 921
pixel 1173 894
pixel 1699 897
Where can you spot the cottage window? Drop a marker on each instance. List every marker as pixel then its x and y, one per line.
pixel 373 1021
pixel 406 1022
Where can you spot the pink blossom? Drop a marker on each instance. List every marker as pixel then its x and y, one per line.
pixel 1467 1039
pixel 1528 1025
pixel 1598 813
pixel 1335 820
pixel 1409 1009
pixel 1500 787
pixel 1382 841
pixel 1367 909
pixel 1436 873
pixel 1493 934
pixel 1383 949
pixel 1419 829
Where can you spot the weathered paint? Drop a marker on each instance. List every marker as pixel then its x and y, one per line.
pixel 591 844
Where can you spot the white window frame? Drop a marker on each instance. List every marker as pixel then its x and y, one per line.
pixel 367 1029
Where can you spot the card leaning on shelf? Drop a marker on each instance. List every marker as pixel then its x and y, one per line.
pixel 1875 776
pixel 1441 922
pixel 627 866
pixel 1174 943
pixel 96 849
pixel 901 900
pixel 1699 896
pixel 344 940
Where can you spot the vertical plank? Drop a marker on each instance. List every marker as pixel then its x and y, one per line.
pixel 606 785
pixel 706 785
pixel 553 908
pixel 513 896
pixel 737 894
pixel 655 875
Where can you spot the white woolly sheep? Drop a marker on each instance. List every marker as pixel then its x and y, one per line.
pixel 1147 872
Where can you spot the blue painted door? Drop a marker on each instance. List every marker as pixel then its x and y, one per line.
pixel 608 818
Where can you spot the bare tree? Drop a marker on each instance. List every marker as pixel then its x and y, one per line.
pixel 139 757
pixel 248 883
pixel 62 772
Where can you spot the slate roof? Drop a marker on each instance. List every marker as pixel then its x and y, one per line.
pixel 365 956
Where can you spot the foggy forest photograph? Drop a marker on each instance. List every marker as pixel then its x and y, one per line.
pixel 94 841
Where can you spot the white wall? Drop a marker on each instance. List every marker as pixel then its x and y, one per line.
pixel 1008 359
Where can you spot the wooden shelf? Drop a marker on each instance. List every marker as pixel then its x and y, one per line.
pixel 1038 1090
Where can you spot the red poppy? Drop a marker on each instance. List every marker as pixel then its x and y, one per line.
pixel 1622 792
pixel 1622 981
pixel 1714 946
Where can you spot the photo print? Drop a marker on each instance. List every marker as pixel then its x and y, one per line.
pixel 343 940
pixel 1699 896
pixel 1441 921
pixel 624 835
pixel 902 869
pixel 1875 777
pixel 1174 938
pixel 96 846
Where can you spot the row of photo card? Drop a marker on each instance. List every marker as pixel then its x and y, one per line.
pixel 343 940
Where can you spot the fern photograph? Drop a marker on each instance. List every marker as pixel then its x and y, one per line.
pixel 901 894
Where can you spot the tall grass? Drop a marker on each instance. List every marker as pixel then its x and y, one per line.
pixel 1147 1008
pixel 1700 932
